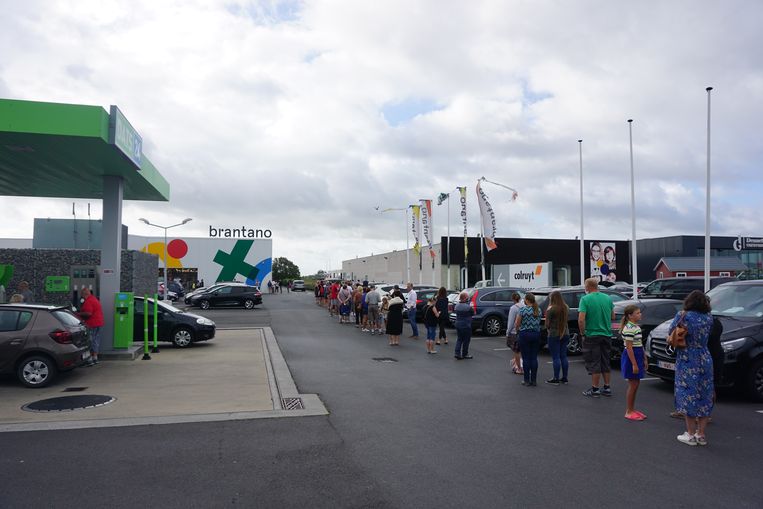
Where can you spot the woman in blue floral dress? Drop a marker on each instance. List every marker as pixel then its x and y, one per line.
pixel 694 393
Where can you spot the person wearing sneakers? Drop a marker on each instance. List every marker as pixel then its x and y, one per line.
pixel 92 313
pixel 694 389
pixel 464 313
pixel 595 315
pixel 410 306
pixel 633 362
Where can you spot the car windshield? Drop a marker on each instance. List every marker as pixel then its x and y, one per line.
pixel 744 301
pixel 161 303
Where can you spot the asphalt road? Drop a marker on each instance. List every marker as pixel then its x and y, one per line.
pixel 425 431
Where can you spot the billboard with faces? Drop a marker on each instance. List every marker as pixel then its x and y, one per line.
pixel 602 257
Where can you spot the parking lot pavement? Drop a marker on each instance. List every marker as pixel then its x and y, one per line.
pixel 238 375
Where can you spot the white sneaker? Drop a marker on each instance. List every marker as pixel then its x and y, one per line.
pixel 700 440
pixel 687 439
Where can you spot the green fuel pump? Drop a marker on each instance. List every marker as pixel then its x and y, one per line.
pixel 124 314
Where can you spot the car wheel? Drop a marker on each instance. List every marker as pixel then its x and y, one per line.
pixel 249 304
pixel 182 337
pixel 755 380
pixel 204 304
pixel 491 326
pixel 574 347
pixel 37 371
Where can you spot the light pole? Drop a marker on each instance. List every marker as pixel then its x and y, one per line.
pixel 582 241
pixel 165 228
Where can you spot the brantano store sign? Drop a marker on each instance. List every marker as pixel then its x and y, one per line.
pixel 124 136
pixel 239 233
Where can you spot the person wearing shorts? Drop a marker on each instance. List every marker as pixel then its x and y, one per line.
pixel 595 316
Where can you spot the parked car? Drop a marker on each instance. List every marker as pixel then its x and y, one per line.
pixel 298 285
pixel 203 289
pixel 422 296
pixel 679 287
pixel 653 313
pixel 491 308
pixel 229 295
pixel 174 325
pixel 571 296
pixel 171 296
pixel 386 288
pixel 39 341
pixel 739 307
pixel 176 287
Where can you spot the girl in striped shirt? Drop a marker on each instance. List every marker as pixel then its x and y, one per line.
pixel 633 363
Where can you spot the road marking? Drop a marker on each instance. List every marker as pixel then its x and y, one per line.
pixel 650 378
pixel 572 361
pixel 501 349
pixel 759 411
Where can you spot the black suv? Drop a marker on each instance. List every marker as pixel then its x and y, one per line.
pixel 228 295
pixel 571 296
pixel 739 307
pixel 491 308
pixel 679 287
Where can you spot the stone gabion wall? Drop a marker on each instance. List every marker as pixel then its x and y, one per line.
pixel 34 265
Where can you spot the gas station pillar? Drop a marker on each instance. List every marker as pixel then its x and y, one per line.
pixel 111 254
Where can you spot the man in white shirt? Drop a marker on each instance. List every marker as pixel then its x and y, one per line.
pixel 410 305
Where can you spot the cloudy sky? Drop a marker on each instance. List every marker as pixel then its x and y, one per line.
pixel 302 117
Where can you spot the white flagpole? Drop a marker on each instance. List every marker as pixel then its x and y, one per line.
pixel 634 255
pixel 707 204
pixel 448 245
pixel 582 242
pixel 407 247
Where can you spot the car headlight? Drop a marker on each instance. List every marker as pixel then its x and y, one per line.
pixel 204 321
pixel 735 344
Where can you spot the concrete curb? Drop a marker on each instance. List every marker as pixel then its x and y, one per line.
pixel 282 387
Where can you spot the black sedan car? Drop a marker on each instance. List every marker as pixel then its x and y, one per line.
pixel 738 305
pixel 653 313
pixel 228 295
pixel 174 325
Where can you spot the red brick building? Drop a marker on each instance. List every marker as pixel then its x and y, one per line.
pixel 685 266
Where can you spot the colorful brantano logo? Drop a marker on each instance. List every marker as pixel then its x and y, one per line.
pixel 233 264
pixel 176 249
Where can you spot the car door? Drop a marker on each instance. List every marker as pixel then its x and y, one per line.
pixel 222 296
pixel 14 330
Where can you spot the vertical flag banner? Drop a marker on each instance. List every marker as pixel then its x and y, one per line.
pixel 462 191
pixel 415 227
pixel 488 219
pixel 426 224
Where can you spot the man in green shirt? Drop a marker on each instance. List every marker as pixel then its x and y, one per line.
pixel 595 315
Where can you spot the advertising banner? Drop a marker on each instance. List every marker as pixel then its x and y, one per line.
pixel 426 224
pixel 415 215
pixel 523 275
pixel 462 192
pixel 603 260
pixel 488 219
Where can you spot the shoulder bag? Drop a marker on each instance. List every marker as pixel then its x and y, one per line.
pixel 677 338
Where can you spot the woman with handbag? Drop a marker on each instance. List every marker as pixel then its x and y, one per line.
pixel 694 368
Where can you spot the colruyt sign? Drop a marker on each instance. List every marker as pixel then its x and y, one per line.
pixel 523 275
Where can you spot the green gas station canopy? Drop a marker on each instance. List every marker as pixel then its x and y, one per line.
pixel 64 150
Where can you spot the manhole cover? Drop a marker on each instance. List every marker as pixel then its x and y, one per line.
pixel 68 403
pixel 384 359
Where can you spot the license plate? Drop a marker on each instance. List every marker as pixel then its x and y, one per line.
pixel 666 365
pixel 85 356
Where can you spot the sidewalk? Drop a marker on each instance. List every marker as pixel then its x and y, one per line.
pixel 240 374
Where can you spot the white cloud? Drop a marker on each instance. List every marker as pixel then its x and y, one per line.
pixel 270 113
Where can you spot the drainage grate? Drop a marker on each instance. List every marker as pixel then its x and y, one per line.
pixel 74 389
pixel 384 359
pixel 68 403
pixel 292 403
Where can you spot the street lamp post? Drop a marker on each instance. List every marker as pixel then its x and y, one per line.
pixel 165 228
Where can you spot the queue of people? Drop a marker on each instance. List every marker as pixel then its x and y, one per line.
pixel 695 373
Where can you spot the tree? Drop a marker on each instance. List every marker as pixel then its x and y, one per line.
pixel 284 269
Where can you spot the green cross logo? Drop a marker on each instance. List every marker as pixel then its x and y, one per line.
pixel 233 263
